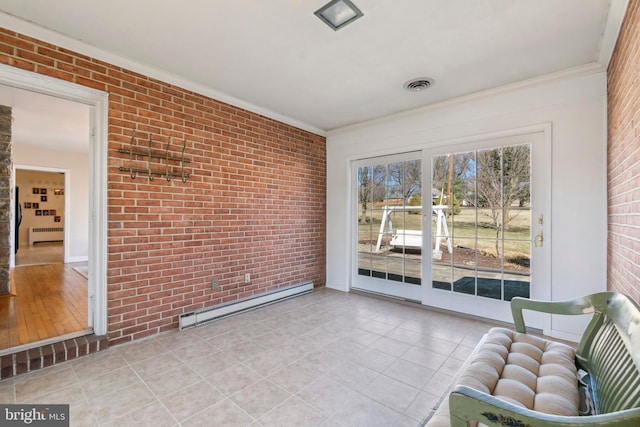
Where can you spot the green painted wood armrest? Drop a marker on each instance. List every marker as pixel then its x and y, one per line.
pixel 583 305
pixel 467 404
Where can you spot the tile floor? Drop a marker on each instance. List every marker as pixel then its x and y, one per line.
pixel 326 359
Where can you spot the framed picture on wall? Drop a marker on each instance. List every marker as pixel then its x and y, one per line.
pixel 35 190
pixel 35 205
pixel 38 212
pixel 27 205
pixel 52 211
pixel 56 219
pixel 43 191
pixel 45 212
pixel 43 198
pixel 58 191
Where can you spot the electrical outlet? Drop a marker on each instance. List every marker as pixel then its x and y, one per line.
pixel 247 278
pixel 214 284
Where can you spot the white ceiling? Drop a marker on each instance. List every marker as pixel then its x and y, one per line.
pixel 277 58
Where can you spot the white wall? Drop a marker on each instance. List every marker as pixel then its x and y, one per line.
pixel 78 192
pixel 574 104
pixel 27 180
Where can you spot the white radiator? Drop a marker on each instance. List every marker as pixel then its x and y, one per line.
pixel 45 234
pixel 198 317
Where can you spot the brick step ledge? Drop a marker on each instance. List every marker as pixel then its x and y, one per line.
pixel 41 355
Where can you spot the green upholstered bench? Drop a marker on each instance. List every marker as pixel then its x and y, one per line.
pixel 519 380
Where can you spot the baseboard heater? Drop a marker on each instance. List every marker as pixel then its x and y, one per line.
pixel 204 315
pixel 45 234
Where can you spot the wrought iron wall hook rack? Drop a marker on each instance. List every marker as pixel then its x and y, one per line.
pixel 174 167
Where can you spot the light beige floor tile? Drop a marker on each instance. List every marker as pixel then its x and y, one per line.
pixel 245 350
pixel 391 392
pixel 115 380
pixel 224 413
pixel 36 387
pixel 7 393
pixel 191 352
pixel 65 393
pixel 344 347
pixel 81 415
pixel 294 349
pixel 152 415
pixel 291 329
pixel 447 334
pixel 192 399
pixel 211 364
pixel 409 373
pixel 362 411
pixel 267 362
pixel 354 375
pixel 55 369
pixel 376 327
pixel 422 406
pixel 139 351
pixel 293 412
pixel 270 339
pixel 321 361
pixel 294 377
pixel 327 394
pixel 404 421
pixel 462 352
pixel 259 398
pixel 423 357
pixel 437 345
pixel 172 381
pixel 111 406
pixel 374 359
pixel 156 365
pixel 98 364
pixel 234 379
pixel 390 346
pixel 227 339
pixel 362 337
pixel 175 339
pixel 317 337
pixel 328 348
pixel 438 384
pixel 451 367
pixel 332 422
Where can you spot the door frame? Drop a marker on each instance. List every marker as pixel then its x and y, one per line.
pixel 98 101
pixel 541 172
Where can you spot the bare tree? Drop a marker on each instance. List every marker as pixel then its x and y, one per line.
pixel 371 187
pixel 502 179
pixel 405 178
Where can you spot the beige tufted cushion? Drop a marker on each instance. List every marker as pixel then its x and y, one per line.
pixel 523 369
pixel 527 371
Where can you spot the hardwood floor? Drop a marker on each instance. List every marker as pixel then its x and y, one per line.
pixel 47 301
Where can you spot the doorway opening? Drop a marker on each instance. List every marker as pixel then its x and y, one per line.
pixel 87 228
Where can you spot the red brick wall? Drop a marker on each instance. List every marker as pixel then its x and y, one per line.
pixel 624 158
pixel 255 201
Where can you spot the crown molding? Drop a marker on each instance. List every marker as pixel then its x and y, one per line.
pixel 30 29
pixel 582 70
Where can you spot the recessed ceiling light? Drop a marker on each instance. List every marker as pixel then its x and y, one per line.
pixel 338 13
pixel 419 84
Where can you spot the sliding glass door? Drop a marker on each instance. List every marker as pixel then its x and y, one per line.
pixel 388 219
pixel 478 236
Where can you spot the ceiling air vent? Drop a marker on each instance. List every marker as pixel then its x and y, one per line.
pixel 419 84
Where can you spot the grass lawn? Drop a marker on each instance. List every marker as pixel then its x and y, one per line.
pixel 462 229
